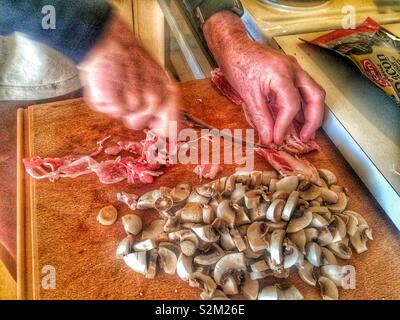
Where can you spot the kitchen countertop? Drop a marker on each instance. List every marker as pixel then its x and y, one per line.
pixel 8 177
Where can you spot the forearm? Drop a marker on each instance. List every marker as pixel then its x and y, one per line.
pixel 78 24
pixel 224 33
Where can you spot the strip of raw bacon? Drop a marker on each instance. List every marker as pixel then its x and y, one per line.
pixel 292 143
pixel 208 171
pixel 128 198
pixel 288 165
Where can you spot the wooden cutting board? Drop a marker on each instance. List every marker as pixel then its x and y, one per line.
pixel 57 221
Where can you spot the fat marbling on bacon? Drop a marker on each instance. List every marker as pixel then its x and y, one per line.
pixel 292 142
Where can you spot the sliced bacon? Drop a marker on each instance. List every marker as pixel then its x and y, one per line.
pixel 292 142
pixel 129 199
pixel 208 171
pixel 288 165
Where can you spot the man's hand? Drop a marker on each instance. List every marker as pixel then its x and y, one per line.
pixel 122 80
pixel 265 79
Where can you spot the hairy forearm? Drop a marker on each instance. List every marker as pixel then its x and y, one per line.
pixel 225 33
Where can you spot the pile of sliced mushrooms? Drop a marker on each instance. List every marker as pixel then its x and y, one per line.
pixel 225 236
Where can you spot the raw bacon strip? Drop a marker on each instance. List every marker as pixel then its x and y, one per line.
pixel 292 144
pixel 288 165
pixel 208 171
pixel 128 198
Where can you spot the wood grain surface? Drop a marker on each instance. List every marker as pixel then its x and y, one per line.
pixel 66 235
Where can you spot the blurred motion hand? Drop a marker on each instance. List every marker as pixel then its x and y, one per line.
pixel 265 79
pixel 122 80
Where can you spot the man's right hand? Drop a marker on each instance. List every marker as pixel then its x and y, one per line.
pixel 122 80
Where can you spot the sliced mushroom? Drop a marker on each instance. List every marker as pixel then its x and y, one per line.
pixel 206 233
pixel 272 185
pixel 152 264
pixel 211 257
pixel 227 264
pixel 124 247
pixel 146 201
pixel 260 275
pixel 328 288
pixel 230 286
pixel 229 186
pixel 307 273
pixel 269 293
pixel 351 225
pixel 180 193
pixel 173 223
pixel 226 213
pixel 341 204
pixel 267 176
pixel 250 288
pixel 339 224
pixel 317 221
pixel 195 197
pixel 291 293
pixel 314 253
pixel 290 206
pixel 249 253
pixel 167 258
pixel 155 231
pixel 328 176
pixel 208 214
pixel 297 224
pixel 255 179
pixel 259 213
pixel 288 184
pixel 238 240
pixel 291 255
pixel 325 236
pixel 311 234
pixel 144 245
pixel 360 219
pixel 274 212
pixel 163 203
pixel 256 236
pixel 359 242
pixel 340 250
pixel 329 196
pixel 276 225
pixel 107 216
pixel 334 273
pixel 241 215
pixel 184 267
pixel 259 266
pixel 204 282
pixel 132 224
pixel 311 193
pixel 328 257
pixel 191 212
pixel 283 195
pixel 276 247
pixel 299 239
pixel 137 261
pixel 237 195
pixel 252 199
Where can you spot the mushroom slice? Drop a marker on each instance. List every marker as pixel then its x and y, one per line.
pixel 288 184
pixel 329 291
pixel 259 213
pixel 184 267
pixel 155 231
pixel 152 264
pixel 206 233
pixel 188 242
pixel 297 224
pixel 238 240
pixel 180 193
pixel 352 225
pixel 255 179
pixel 229 186
pixel 218 295
pixel 252 199
pixel 276 247
pixel 272 185
pixel 325 236
pixel 249 253
pixel 340 226
pixel 256 236
pixel 299 239
pixel 124 247
pixel 132 224
pixel 314 253
pixel 290 205
pixel 329 196
pixel 191 212
pixel 260 275
pixel 341 204
pixel 107 216
pixel 267 176
pixel 204 282
pixel 250 288
pixel 226 240
pixel 311 193
pixel 318 221
pixel 144 245
pixel 228 264
pixel 137 261
pixel 167 258
pixel 340 250
pixel 243 229
pixel 230 286
pixel 238 194
pixel 311 234
pixel 359 242
pixel 146 201
pixel 208 214
pixel 360 219
pixel 328 257
pixel 283 195
pixel 226 213
pixel 334 273
pixel 291 255
pixel 211 257
pixel 163 203
pixel 172 224
pixel 307 273
pixel 276 225
pixel 269 293
pixel 241 215
pixel 291 293
pixel 259 266
pixel 195 197
pixel 328 176
pixel 274 211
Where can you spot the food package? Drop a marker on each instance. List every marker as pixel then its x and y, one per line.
pixel 375 51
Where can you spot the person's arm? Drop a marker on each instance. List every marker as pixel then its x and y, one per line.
pixel 78 24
